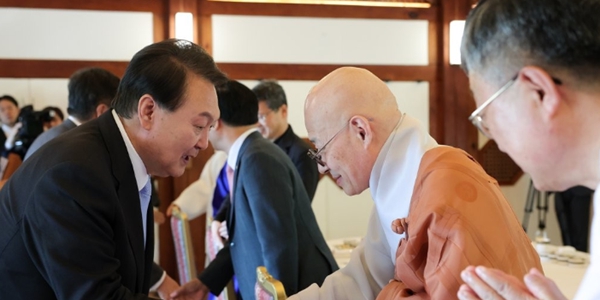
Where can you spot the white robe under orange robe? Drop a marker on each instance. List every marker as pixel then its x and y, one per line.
pixel 458 217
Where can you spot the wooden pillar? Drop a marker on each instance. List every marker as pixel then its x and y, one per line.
pixel 456 98
pixel 170 188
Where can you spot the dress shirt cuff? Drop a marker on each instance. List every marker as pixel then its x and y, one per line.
pixel 159 282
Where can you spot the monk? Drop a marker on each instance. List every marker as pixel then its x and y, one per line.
pixel 448 231
pixel 455 214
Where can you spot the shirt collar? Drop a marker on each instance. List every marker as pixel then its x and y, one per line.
pixel 235 148
pixel 139 169
pixel 10 129
pixel 77 122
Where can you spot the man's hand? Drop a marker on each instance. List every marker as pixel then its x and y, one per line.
pixel 216 236
pixel 167 287
pixel 491 284
pixel 223 230
pixel 193 290
pixel 170 209
pixel 159 217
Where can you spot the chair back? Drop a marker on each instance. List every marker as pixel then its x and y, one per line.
pixel 267 287
pixel 211 252
pixel 184 251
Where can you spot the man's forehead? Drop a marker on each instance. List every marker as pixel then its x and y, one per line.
pixel 317 130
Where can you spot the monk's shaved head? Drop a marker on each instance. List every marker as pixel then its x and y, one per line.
pixel 350 91
pixel 361 108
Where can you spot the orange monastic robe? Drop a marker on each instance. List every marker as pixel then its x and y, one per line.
pixel 458 217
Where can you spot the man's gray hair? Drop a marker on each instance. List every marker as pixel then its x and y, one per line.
pixel 502 36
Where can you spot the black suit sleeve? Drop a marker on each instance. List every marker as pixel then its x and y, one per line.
pixel 219 272
pixel 223 210
pixel 156 273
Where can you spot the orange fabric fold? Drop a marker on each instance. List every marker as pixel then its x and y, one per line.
pixel 458 217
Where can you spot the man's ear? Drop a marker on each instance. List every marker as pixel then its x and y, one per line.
pixel 284 110
pixel 146 111
pixel 361 128
pixel 545 86
pixel 100 109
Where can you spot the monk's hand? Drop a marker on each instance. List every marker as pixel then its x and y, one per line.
pixel 399 226
pixel 491 284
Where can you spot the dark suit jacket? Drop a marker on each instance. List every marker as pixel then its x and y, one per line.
pixel 297 150
pixel 271 223
pixel 45 137
pixel 2 141
pixel 71 221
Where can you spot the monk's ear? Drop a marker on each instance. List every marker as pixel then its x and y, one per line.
pixel 147 111
pixel 361 128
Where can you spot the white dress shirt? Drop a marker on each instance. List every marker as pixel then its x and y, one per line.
pixel 590 287
pixel 234 151
pixel 141 177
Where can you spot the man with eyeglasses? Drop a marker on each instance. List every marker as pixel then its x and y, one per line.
pixel 450 207
pixel 273 125
pixel 546 117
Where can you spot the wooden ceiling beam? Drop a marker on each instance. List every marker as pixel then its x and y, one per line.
pixel 22 68
pixel 316 11
pixel 155 6
pixel 317 72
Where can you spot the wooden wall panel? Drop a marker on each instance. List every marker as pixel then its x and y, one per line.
pixel 23 68
pixel 316 72
pixel 155 6
pixel 323 11
pixel 456 98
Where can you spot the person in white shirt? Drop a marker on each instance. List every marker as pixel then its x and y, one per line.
pixel 534 69
pixel 204 196
pixel 9 115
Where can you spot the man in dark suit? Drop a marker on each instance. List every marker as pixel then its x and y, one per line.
pixel 270 222
pixel 75 218
pixel 273 125
pixel 90 93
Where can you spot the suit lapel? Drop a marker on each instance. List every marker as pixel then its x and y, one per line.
pixel 128 194
pixel 237 188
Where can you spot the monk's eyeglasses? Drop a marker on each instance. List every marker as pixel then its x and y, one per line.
pixel 315 154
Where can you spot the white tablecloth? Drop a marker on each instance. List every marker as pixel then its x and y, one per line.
pixel 566 277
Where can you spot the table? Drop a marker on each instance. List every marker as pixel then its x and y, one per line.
pixel 566 277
